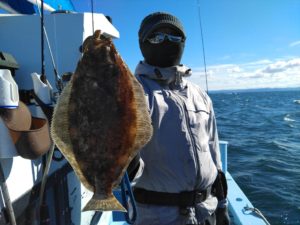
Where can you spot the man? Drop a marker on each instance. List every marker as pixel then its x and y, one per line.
pixel 180 183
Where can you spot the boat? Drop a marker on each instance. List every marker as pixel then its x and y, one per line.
pixel 22 180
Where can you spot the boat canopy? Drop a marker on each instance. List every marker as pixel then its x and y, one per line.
pixel 31 6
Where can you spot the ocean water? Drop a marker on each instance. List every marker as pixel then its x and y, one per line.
pixel 263 131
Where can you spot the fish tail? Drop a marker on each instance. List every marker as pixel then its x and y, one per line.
pixel 104 204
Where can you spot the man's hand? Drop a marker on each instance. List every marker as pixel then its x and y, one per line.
pixel 222 216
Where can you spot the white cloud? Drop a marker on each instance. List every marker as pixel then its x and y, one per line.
pixel 259 62
pixel 258 74
pixel 235 69
pixel 293 44
pixel 275 67
pixel 281 66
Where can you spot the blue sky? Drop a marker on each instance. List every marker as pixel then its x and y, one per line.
pixel 248 44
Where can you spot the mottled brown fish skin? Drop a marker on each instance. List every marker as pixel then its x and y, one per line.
pixel 102 92
pixel 101 121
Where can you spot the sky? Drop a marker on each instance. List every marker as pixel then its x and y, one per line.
pixel 248 44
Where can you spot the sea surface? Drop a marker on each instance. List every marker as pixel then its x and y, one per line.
pixel 263 131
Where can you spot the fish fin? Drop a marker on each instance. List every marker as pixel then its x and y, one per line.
pixel 60 133
pixel 107 204
pixel 144 127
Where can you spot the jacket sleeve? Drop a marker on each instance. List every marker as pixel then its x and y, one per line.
pixel 214 139
pixel 215 153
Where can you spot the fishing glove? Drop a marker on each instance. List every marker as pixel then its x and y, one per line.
pixel 219 189
pixel 222 216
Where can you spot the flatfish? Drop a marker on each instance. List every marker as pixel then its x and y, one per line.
pixel 101 121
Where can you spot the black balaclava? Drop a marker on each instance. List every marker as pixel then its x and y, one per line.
pixel 167 53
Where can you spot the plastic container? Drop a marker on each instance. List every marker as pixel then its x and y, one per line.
pixel 42 90
pixel 9 95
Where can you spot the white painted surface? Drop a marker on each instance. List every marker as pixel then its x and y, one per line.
pixel 20 36
pixel 7 147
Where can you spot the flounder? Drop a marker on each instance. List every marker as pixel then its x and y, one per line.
pixel 101 121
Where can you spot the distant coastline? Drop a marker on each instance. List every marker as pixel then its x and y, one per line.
pixel 254 90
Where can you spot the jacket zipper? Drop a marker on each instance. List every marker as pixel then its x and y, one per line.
pixel 184 108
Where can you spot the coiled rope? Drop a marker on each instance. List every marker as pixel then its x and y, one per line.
pixel 258 212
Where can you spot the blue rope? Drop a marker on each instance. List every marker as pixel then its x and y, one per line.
pixel 126 190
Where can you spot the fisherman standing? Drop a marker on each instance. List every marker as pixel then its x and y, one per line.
pixel 182 182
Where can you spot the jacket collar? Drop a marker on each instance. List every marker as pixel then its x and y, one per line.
pixel 171 76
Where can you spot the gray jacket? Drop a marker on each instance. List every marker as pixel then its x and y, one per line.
pixel 183 154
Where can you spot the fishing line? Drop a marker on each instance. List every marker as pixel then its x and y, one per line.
pixel 202 40
pixel 43 76
pixel 92 8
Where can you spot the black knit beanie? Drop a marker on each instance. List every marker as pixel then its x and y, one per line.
pixel 156 20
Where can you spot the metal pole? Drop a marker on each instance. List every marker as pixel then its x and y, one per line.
pixel 6 197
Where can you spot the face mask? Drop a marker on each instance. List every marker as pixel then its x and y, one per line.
pixel 164 54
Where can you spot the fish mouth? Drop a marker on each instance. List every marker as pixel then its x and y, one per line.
pixel 98 39
pixel 97 34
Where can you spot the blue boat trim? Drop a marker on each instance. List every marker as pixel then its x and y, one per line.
pixel 8 106
pixel 238 203
pixel 26 7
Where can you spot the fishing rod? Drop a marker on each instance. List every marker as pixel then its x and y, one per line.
pixel 44 34
pixel 43 76
pixel 202 40
pixel 46 160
